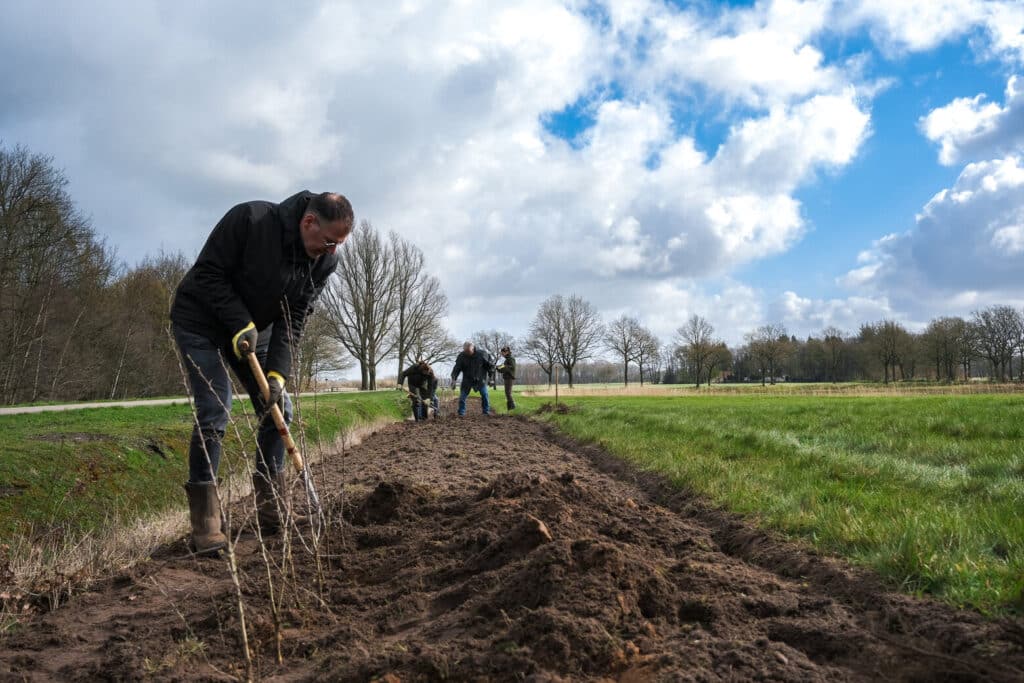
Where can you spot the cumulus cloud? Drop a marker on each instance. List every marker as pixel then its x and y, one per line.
pixel 803 316
pixel 430 117
pixel 971 128
pixel 919 25
pixel 755 56
pixel 965 250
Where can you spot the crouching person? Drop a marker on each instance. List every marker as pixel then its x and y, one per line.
pixel 422 388
pixel 261 269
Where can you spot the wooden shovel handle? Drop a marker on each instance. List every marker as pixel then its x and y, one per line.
pixel 275 412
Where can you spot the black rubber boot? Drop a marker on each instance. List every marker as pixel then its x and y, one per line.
pixel 204 512
pixel 271 501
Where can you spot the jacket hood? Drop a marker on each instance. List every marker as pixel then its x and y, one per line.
pixel 290 212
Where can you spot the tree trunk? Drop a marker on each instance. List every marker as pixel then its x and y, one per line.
pixel 120 363
pixel 64 353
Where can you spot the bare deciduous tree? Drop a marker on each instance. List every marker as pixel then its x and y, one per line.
pixel 997 335
pixel 834 342
pixel 695 344
pixel 939 341
pixel 966 345
pixel 362 299
pixel 890 343
pixel 320 351
pixel 38 270
pixel 769 345
pixel 623 336
pixel 492 341
pixel 578 331
pixel 434 345
pixel 542 344
pixel 419 300
pixel 648 354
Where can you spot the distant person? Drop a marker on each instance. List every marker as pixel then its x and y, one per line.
pixel 253 285
pixel 474 366
pixel 422 388
pixel 508 374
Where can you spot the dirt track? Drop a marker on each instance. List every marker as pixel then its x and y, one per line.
pixel 490 549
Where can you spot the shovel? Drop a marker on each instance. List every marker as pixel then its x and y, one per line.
pixel 316 512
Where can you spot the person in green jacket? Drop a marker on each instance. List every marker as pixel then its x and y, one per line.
pixel 508 373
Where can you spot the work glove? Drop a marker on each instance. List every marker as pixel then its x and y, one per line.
pixel 453 382
pixel 275 380
pixel 248 335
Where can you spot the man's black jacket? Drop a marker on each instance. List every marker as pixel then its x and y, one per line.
pixel 508 367
pixel 254 268
pixel 420 382
pixel 474 369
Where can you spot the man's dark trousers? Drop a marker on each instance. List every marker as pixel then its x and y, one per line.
pixel 510 402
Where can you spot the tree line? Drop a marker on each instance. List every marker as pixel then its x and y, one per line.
pixel 988 344
pixel 76 324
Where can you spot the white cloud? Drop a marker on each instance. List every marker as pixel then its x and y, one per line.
pixel 967 246
pixel 429 116
pixel 920 25
pixel 970 128
pixel 758 56
pixel 781 150
pixel 803 316
pixel 913 25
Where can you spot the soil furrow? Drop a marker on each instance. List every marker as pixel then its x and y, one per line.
pixel 494 549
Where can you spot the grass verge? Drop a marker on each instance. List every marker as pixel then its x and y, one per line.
pixel 82 491
pixel 926 490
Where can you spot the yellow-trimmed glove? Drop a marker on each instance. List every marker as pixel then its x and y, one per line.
pixel 248 334
pixel 275 380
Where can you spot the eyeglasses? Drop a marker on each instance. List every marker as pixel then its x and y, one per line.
pixel 327 243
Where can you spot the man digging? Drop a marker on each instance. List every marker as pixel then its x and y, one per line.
pixel 474 366
pixel 422 389
pixel 251 288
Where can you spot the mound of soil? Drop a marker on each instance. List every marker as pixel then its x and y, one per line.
pixel 491 549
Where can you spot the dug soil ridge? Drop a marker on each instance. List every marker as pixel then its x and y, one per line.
pixel 492 548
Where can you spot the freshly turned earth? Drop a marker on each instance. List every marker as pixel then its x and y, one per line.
pixel 493 549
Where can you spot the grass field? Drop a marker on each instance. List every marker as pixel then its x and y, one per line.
pixel 927 490
pixel 779 389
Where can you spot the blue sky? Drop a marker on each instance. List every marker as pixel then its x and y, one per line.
pixel 798 163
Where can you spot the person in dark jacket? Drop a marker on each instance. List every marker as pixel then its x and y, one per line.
pixel 422 388
pixel 250 290
pixel 474 365
pixel 508 374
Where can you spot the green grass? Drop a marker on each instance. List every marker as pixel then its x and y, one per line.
pixel 858 388
pixel 927 490
pixel 75 472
